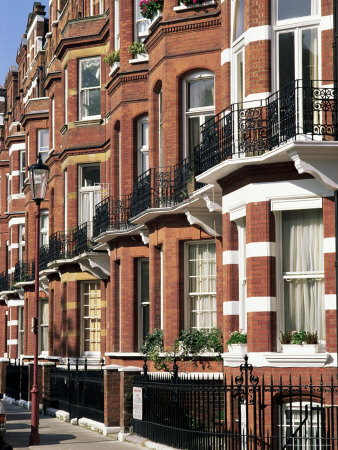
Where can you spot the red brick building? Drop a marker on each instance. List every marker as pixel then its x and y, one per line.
pixel 191 186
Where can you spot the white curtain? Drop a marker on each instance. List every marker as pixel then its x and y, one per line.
pixel 303 266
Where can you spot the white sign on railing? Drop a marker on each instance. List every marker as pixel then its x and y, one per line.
pixel 137 403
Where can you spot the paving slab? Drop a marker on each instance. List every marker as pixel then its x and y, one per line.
pixel 55 433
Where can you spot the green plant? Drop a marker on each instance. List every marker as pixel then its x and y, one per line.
pixel 112 57
pixel 149 7
pixel 298 337
pixel 237 337
pixel 285 337
pixel 137 48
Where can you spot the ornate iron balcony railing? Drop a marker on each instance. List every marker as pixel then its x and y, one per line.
pixel 68 244
pixel 5 282
pixel 112 213
pixel 22 272
pixel 302 110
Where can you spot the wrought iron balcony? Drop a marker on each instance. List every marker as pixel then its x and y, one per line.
pixel 68 244
pixel 5 282
pixel 302 110
pixel 184 178
pixel 112 214
pixel 152 189
pixel 22 272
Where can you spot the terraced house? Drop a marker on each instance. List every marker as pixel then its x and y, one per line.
pixel 192 186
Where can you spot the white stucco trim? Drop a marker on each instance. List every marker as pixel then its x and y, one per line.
pixel 226 56
pixel 13 323
pixel 16 221
pixel 12 342
pixel 274 359
pixel 261 33
pixel 330 301
pixel 230 257
pixel 231 308
pixel 296 203
pixel 15 147
pixel 260 304
pixel 329 245
pixel 326 23
pixel 11 303
pixel 258 249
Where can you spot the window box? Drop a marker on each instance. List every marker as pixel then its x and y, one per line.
pixel 114 68
pixel 238 349
pixel 307 349
pixel 183 7
pixel 142 57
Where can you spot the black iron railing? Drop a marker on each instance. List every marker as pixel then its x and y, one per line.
pixel 241 412
pixel 78 390
pixel 69 244
pixel 302 110
pixel 5 281
pixel 22 272
pixel 112 213
pixel 17 380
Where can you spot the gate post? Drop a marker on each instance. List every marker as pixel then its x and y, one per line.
pixel 3 374
pixel 111 398
pixel 45 383
pixel 127 375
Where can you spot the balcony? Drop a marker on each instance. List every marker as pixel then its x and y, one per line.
pixel 112 213
pixel 303 111
pixel 5 282
pixel 69 244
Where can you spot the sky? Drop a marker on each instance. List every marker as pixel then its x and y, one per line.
pixel 13 22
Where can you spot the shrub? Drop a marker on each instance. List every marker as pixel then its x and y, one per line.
pixel 137 48
pixel 237 337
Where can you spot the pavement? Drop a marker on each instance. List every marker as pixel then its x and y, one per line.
pixel 55 433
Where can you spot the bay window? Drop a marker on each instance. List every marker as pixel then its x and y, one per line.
pixel 91 318
pixel 201 286
pixel 90 88
pixel 303 271
pixel 199 106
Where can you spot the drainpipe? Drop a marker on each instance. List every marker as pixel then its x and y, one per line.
pixel 335 74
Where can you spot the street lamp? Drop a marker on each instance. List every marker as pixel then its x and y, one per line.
pixel 38 178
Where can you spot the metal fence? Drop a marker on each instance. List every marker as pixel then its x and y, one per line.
pixel 239 412
pixel 17 380
pixel 78 389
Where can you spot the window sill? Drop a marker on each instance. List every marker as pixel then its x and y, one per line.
pixel 87 122
pixel 181 8
pixel 275 359
pixel 55 23
pixel 114 68
pixel 139 59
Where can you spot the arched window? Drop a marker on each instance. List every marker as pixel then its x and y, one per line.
pixel 199 106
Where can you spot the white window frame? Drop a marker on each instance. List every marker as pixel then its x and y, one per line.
pixel 81 116
pixel 66 199
pixel 236 51
pixel 296 406
pixel 21 329
pixel 44 231
pixel 187 306
pixel 139 37
pixel 116 24
pixel 43 151
pixel 202 113
pixel 22 243
pixel 91 7
pixel 53 123
pixel 94 192
pixel 279 261
pixel 85 352
pixel 296 25
pixel 160 128
pixel 142 147
pixel 233 23
pixel 241 230
pixel 43 326
pixel 22 169
pixel 9 193
pixel 140 301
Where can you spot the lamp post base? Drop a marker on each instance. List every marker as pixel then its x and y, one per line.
pixel 34 438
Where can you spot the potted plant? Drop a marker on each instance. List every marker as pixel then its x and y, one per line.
pixel 151 9
pixel 113 60
pixel 299 342
pixel 192 2
pixel 237 343
pixel 138 50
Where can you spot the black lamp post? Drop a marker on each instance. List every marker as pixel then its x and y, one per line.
pixel 38 177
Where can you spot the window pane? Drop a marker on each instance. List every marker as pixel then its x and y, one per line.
pixel 90 175
pixel 144 281
pixel 91 102
pixel 90 73
pixel 309 54
pixel 200 93
pixel 193 133
pixel 286 53
pixel 288 9
pixel 43 140
pixel 239 19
